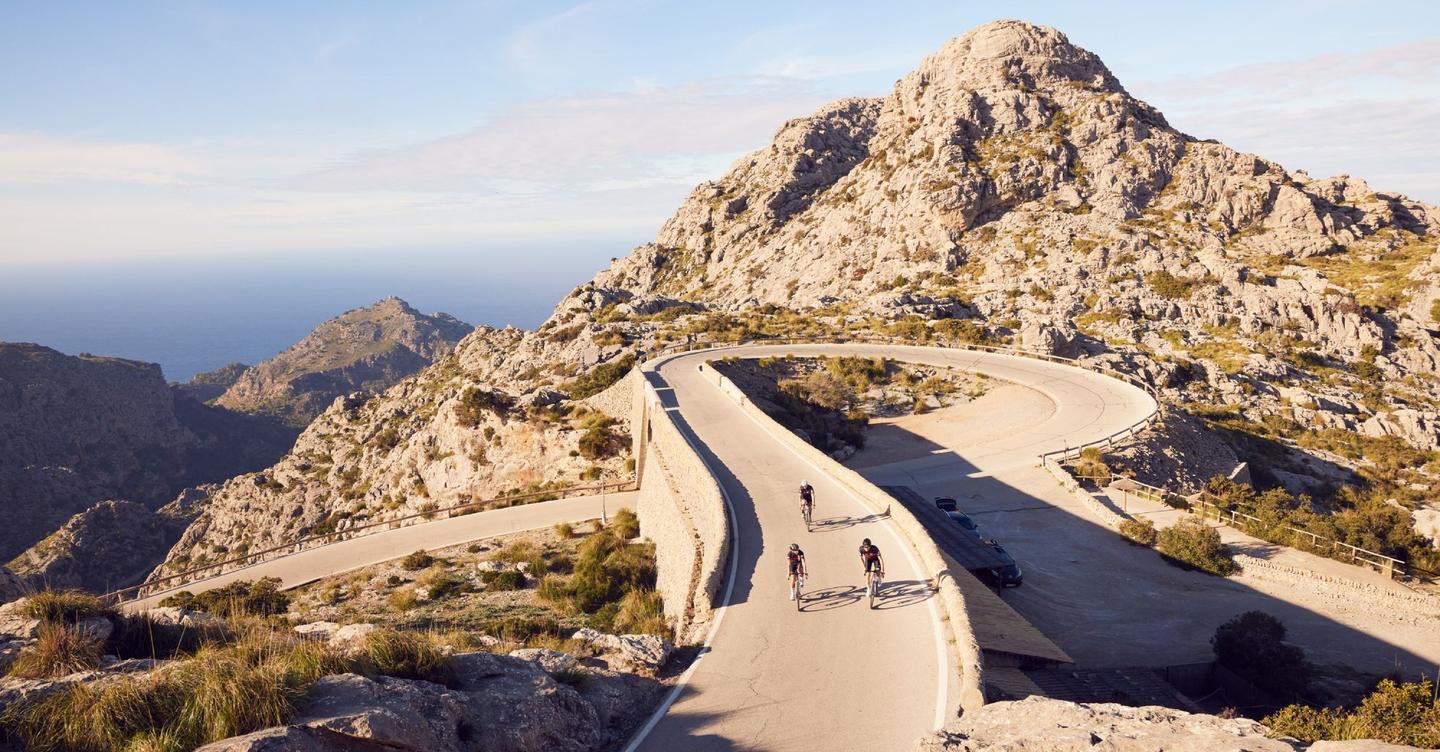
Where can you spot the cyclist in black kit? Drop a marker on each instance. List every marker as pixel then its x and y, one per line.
pixel 873 562
pixel 796 560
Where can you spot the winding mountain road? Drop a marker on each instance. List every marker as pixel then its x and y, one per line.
pixel 835 674
pixel 312 564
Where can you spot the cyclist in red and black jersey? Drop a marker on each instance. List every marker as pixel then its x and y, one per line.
pixel 796 560
pixel 871 559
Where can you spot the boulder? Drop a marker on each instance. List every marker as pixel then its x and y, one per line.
pixel 98 628
pixel 552 661
pixel 644 651
pixel 1040 723
pixel 351 636
pixel 182 617
pixel 15 623
pixel 318 630
pixel 11 586
pixel 596 639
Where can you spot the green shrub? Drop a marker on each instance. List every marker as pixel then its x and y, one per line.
pixel 1252 645
pixel 474 403
pixel 1395 713
pixel 68 606
pixel 640 611
pixel 507 579
pixel 599 378
pixel 1167 285
pixel 625 524
pixel 407 655
pixel 417 560
pixel 387 439
pixel 1141 531
pixel 440 582
pixel 565 530
pixel 59 649
pixel 1193 543
pixel 260 597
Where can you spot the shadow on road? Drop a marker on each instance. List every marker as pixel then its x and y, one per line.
pixel 830 524
pixel 829 599
pixel 902 593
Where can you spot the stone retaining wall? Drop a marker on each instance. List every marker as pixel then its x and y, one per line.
pixel 1414 608
pixel 682 510
pixel 952 599
pixel 1107 516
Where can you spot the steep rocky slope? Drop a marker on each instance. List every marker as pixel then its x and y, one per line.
pixel 364 349
pixel 209 385
pixel 109 545
pixel 76 430
pixel 1007 190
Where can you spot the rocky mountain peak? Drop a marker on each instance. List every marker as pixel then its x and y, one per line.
pixel 1006 54
pixel 363 349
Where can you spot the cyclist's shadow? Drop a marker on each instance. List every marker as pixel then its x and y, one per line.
pixel 827 599
pixel 819 525
pixel 902 593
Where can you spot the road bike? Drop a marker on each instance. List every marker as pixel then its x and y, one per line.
pixel 805 512
pixel 795 590
pixel 873 587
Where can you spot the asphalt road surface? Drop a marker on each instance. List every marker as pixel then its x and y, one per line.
pixel 836 675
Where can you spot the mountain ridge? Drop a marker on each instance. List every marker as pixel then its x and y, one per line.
pixel 1009 190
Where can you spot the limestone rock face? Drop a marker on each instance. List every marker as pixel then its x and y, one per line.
pixel 1009 188
pixel 75 430
pixel 11 586
pixel 1038 724
pixel 109 545
pixel 364 349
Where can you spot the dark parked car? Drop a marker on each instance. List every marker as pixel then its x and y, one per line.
pixel 945 504
pixel 964 521
pixel 1007 575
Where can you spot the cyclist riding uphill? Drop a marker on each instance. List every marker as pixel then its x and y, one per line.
pixel 871 559
pixel 796 559
pixel 807 494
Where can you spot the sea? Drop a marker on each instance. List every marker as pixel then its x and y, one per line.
pixel 196 313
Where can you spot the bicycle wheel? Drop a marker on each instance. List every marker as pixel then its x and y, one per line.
pixel 871 589
pixel 807 519
pixel 795 591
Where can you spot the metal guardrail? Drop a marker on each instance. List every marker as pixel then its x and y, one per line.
pixel 251 558
pixel 1211 508
pixel 1059 455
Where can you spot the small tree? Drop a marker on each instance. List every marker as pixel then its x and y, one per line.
pixel 1252 645
pixel 1190 541
pixel 1141 531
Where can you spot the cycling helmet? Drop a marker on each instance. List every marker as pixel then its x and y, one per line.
pixel 794 546
pixel 865 542
pixel 804 483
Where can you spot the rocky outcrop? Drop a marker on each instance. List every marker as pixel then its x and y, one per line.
pixel 1039 724
pixel 77 430
pixel 109 545
pixel 367 349
pixel 496 704
pixel 11 586
pixel 209 385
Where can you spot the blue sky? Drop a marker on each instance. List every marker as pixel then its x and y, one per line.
pixel 194 129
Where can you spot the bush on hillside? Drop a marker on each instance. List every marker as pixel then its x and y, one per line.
pixel 1141 531
pixel 1193 543
pixel 59 649
pixel 1404 713
pixel 260 597
pixel 598 379
pixel 417 560
pixel 1253 646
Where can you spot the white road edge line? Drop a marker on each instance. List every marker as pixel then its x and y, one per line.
pixel 943 670
pixel 680 684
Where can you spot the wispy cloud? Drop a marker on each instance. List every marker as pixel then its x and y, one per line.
pixel 1341 72
pixel 607 164
pixel 650 135
pixel 1370 113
